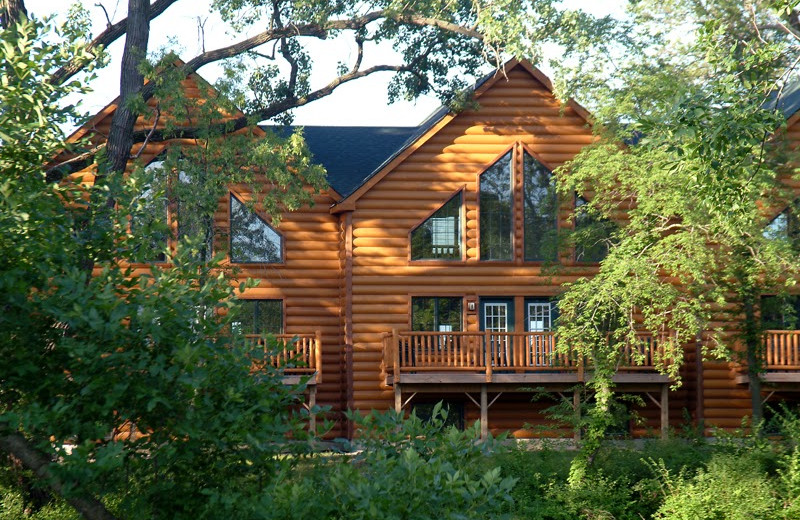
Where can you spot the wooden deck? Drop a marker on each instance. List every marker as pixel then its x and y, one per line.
pixel 499 362
pixel 299 361
pixel 781 361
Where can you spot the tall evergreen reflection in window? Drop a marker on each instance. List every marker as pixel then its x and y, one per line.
pixel 540 209
pixel 252 239
pixel 195 222
pixel 496 211
pixel 260 317
pixel 441 314
pixel 780 312
pixel 786 226
pixel 151 218
pixel 592 233
pixel 440 235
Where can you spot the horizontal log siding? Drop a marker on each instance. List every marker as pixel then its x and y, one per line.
pixel 518 111
pixel 309 280
pixel 309 283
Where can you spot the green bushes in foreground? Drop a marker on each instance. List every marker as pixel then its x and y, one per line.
pixel 410 469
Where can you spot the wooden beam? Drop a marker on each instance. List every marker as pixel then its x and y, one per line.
pixel 398 398
pixel 484 413
pixel 664 412
pixel 312 416
pixel 576 405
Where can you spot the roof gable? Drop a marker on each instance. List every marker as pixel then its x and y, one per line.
pixel 442 118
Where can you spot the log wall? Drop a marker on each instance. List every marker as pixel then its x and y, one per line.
pixel 518 114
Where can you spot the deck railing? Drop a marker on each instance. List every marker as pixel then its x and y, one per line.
pixel 301 353
pixel 501 351
pixel 782 349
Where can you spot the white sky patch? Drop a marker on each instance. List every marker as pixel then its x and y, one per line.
pixel 363 102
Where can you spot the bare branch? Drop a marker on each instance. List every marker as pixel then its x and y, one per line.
pixel 108 18
pixel 150 133
pixel 18 446
pixel 78 158
pixel 104 39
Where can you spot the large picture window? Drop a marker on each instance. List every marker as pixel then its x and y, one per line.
pixel 252 239
pixel 786 226
pixel 540 209
pixel 441 314
pixel 439 236
pixel 497 211
pixel 592 234
pixel 260 317
pixel 780 312
pixel 151 221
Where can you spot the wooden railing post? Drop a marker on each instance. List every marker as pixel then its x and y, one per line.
pixel 396 355
pixel 487 355
pixel 318 354
pixel 580 367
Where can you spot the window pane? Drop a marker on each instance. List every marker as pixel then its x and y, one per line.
pixel 780 312
pixel 440 235
pixel 194 221
pixel 152 221
pixel 540 206
pixel 252 239
pixel 496 211
pixel 591 234
pixel 261 317
pixel 439 314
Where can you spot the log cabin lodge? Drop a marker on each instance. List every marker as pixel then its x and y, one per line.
pixel 419 275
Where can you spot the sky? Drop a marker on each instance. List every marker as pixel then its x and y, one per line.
pixel 362 102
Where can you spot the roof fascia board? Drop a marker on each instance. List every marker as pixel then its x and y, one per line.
pixel 349 202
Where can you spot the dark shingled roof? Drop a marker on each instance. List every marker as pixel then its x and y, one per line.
pixel 354 154
pixel 789 102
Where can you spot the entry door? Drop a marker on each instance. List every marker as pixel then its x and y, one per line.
pixel 497 315
pixel 539 318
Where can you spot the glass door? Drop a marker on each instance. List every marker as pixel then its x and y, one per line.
pixel 497 317
pixel 539 317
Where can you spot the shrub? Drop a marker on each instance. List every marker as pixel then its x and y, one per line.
pixel 402 469
pixel 732 487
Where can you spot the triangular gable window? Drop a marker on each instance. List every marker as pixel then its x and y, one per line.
pixel 786 226
pixel 252 239
pixel 151 219
pixel 592 234
pixel 540 205
pixel 497 211
pixel 439 236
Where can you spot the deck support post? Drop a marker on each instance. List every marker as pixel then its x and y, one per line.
pixel 398 398
pixel 312 416
pixel 484 413
pixel 664 411
pixel 576 404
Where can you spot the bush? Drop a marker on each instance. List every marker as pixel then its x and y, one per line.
pixel 402 469
pixel 732 487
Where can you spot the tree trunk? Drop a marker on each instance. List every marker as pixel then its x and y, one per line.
pixel 752 340
pixel 120 138
pixel 11 11
pixel 18 446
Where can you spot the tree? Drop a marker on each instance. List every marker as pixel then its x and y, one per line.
pixel 87 347
pixel 703 159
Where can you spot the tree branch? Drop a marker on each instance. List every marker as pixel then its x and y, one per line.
pixel 18 446
pixel 104 39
